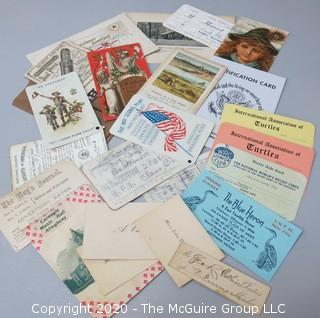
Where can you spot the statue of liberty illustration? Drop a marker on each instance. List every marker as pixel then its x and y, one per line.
pixel 193 201
pixel 267 259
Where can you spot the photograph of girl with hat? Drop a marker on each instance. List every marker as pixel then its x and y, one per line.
pixel 253 44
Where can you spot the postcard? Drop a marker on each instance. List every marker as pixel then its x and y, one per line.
pixel 287 128
pixel 177 183
pixel 129 170
pixel 290 155
pixel 65 58
pixel 118 72
pixel 116 31
pixel 243 86
pixel 199 25
pixel 165 227
pixel 58 236
pixel 30 159
pixel 252 43
pixel 183 81
pixel 246 230
pixel 219 277
pixel 62 110
pixel 151 24
pixel 111 235
pixel 273 185
pixel 28 202
pixel 166 130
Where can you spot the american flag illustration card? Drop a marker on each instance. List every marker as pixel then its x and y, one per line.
pixel 164 129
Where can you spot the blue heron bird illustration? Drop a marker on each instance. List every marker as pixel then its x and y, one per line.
pixel 267 259
pixel 193 201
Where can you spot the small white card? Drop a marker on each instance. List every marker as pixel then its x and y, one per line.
pixel 62 110
pixel 112 235
pixel 164 129
pixel 199 25
pixel 129 170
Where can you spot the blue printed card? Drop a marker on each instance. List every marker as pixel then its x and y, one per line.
pixel 251 233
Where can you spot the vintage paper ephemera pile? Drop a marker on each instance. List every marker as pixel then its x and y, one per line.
pixel 118 72
pixel 127 171
pixel 287 128
pixel 28 202
pixel 243 228
pixel 199 25
pixel 271 171
pixel 63 59
pixel 59 245
pixel 219 277
pixel 252 43
pixel 164 129
pixel 117 31
pixel 62 110
pixel 30 159
pixel 111 235
pixel 165 227
pixel 243 86
pixel 183 81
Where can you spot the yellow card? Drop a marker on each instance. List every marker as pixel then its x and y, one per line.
pixel 290 129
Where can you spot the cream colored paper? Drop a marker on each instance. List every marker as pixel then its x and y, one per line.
pixel 25 204
pixel 112 274
pixel 110 235
pixel 165 227
pixel 219 277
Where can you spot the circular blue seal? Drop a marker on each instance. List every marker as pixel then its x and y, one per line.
pixel 222 157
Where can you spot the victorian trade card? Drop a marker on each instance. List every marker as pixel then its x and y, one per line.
pixel 183 81
pixel 253 44
pixel 119 30
pixel 30 159
pixel 65 58
pixel 199 25
pixel 162 128
pixel 118 72
pixel 62 110
pixel 243 86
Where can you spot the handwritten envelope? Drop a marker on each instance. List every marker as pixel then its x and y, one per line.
pixel 219 277
pixel 243 86
pixel 111 235
pixel 289 129
pixel 62 110
pixel 162 128
pixel 169 224
pixel 127 171
pixel 34 198
pixel 199 25
pixel 246 230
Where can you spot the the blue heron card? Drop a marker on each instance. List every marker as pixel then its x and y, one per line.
pixel 249 232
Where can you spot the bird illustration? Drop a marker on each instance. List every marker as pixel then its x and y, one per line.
pixel 267 259
pixel 193 201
